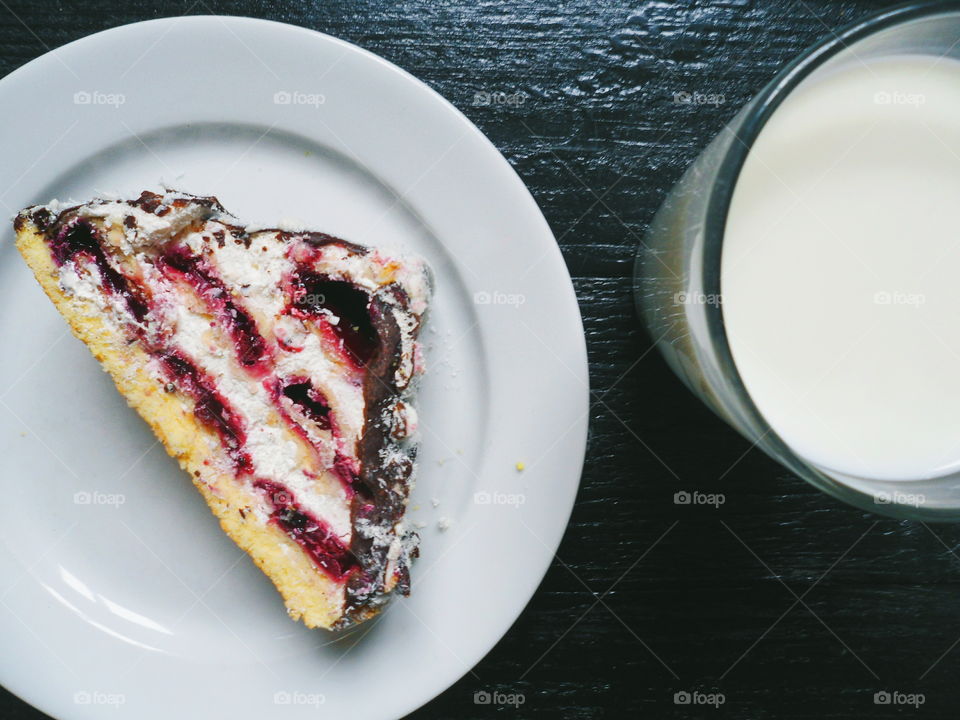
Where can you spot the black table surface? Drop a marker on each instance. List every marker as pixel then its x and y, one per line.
pixel 784 601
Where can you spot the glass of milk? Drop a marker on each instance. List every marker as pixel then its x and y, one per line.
pixel 803 277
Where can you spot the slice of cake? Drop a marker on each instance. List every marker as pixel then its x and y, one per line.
pixel 276 366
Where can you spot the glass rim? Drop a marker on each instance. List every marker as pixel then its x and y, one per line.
pixel 758 112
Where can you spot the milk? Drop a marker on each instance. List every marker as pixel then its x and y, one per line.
pixel 840 272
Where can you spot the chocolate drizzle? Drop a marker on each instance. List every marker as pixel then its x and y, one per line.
pixel 385 467
pixel 317 239
pixel 155 204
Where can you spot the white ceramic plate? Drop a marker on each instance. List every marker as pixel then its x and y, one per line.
pixel 117 589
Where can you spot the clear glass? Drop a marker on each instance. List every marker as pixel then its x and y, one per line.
pixel 681 257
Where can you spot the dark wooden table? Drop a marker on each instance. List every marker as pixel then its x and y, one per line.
pixel 786 602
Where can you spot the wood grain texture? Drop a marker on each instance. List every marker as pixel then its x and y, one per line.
pixel 647 598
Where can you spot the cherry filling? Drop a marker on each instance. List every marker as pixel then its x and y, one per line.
pixel 317 540
pixel 313 405
pixel 313 293
pixel 210 407
pixel 75 237
pixel 81 238
pixel 251 348
pixel 310 402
